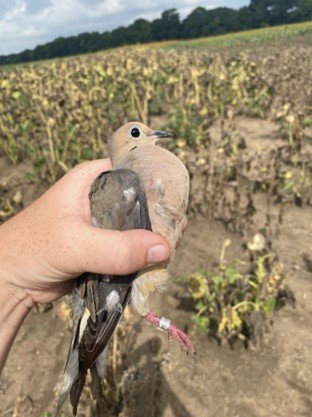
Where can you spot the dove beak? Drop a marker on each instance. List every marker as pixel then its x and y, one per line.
pixel 158 134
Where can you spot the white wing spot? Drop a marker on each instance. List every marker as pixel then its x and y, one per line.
pixel 112 300
pixel 83 322
pixel 129 194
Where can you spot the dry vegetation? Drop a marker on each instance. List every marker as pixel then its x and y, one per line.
pixel 59 113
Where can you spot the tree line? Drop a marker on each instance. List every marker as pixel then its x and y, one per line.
pixel 199 23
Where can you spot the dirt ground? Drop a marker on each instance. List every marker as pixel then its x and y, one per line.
pixel 274 380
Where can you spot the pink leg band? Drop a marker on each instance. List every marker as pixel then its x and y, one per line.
pixel 173 331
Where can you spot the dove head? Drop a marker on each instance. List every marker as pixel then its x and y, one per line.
pixel 132 135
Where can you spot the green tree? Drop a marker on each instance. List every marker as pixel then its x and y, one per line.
pixel 279 11
pixel 119 37
pixel 260 12
pixel 244 18
pixel 202 22
pixel 168 26
pixel 194 24
pixel 140 31
pixel 302 12
pixel 221 20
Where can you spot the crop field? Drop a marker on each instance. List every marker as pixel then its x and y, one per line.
pixel 241 279
pixel 254 36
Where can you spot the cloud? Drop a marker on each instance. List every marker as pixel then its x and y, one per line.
pixel 27 23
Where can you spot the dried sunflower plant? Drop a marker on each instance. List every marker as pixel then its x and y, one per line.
pixel 236 301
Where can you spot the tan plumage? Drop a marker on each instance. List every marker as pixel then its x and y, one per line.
pixel 148 189
pixel 166 183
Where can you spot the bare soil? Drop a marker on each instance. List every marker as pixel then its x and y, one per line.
pixel 159 379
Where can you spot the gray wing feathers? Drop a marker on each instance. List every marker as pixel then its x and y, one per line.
pixel 118 201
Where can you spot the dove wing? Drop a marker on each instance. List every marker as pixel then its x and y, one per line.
pixel 117 201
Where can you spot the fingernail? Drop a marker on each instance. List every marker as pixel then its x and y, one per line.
pixel 158 253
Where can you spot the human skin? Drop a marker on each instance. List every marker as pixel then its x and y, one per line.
pixel 53 241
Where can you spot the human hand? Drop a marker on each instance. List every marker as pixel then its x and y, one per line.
pixel 52 241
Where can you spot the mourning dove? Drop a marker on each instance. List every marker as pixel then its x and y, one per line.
pixel 148 188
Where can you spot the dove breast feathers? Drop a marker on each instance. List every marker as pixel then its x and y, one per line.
pixel 166 183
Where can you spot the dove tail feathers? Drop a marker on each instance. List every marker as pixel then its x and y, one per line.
pixel 76 391
pixel 97 371
pixel 96 384
pixel 70 376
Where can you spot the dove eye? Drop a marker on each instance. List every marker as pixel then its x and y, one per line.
pixel 135 132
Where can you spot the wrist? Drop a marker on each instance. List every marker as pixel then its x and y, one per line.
pixel 14 307
pixel 14 300
pixel 15 304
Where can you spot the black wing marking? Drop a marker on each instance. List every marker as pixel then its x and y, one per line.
pixel 118 201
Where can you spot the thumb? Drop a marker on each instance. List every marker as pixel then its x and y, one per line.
pixel 112 252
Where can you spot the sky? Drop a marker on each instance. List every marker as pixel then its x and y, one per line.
pixel 24 24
